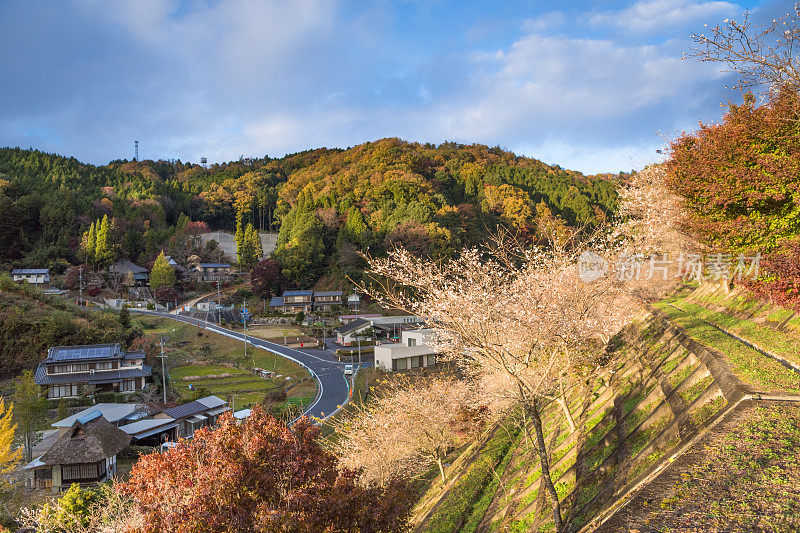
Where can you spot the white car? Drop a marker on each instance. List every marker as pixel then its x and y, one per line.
pixel 348 370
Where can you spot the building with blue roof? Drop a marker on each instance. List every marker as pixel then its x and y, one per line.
pixel 296 301
pixel 69 370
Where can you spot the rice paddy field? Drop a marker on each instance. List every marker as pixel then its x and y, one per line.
pixel 214 364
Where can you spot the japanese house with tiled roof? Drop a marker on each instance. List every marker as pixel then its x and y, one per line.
pixel 69 370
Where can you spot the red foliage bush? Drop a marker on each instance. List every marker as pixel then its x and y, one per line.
pixel 259 476
pixel 780 276
pixel 741 178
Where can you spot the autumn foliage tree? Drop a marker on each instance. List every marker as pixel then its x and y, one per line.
pixel 522 321
pixel 408 425
pixel 741 178
pixel 259 476
pixel 10 455
pixel 741 183
pixel 266 279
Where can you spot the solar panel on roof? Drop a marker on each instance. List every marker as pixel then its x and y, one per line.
pixel 71 353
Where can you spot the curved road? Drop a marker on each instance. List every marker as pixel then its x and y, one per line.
pixel 333 388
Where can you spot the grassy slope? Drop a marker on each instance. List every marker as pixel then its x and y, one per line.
pixel 717 492
pixel 630 418
pixel 196 354
pixel 32 322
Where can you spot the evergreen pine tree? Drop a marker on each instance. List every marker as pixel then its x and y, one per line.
pixel 255 245
pixel 90 239
pixel 162 274
pixel 246 250
pixel 102 249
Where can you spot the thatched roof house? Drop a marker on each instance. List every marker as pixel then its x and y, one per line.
pixel 85 453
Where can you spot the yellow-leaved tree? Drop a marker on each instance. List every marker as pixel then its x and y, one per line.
pixel 9 455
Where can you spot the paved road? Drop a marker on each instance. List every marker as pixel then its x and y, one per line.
pixel 332 387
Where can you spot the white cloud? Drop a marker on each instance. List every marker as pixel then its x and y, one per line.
pixel 548 22
pixel 232 77
pixel 654 15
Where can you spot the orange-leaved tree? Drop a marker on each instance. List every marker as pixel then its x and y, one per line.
pixel 259 476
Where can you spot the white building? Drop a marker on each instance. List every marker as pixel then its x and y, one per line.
pixel 34 276
pixel 416 349
pixel 352 331
pixel 208 306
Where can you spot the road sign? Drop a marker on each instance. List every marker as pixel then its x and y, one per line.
pixel 246 315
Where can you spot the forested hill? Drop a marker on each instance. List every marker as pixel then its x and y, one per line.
pixel 328 203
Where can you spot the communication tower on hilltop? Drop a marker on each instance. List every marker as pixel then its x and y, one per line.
pixel 204 161
pixel 135 150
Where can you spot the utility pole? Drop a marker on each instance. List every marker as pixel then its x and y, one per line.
pixel 163 371
pixel 80 284
pixel 244 319
pixel 358 340
pixel 219 309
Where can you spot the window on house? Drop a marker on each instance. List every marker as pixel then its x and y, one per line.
pixel 83 471
pixel 61 391
pixel 412 341
pixel 107 365
pixel 128 385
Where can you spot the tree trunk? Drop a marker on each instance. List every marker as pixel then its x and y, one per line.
pixel 562 401
pixel 441 469
pixel 545 464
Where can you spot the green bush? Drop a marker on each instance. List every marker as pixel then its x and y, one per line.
pixel 71 512
pixel 110 397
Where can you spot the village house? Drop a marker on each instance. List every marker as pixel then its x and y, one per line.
pixel 417 349
pixel 346 334
pixel 178 422
pixel 392 326
pixel 180 272
pixel 70 370
pixel 123 268
pixel 119 414
pixel 34 276
pixel 326 300
pixel 344 319
pixel 213 271
pixel 85 453
pixel 276 304
pixel 296 301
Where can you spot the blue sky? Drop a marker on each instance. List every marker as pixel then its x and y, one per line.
pixel 594 86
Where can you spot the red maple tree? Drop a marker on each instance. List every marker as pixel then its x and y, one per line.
pixel 259 476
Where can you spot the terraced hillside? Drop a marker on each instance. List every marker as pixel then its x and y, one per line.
pixel 214 364
pixel 701 365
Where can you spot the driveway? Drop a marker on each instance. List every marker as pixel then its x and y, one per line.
pixel 332 387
